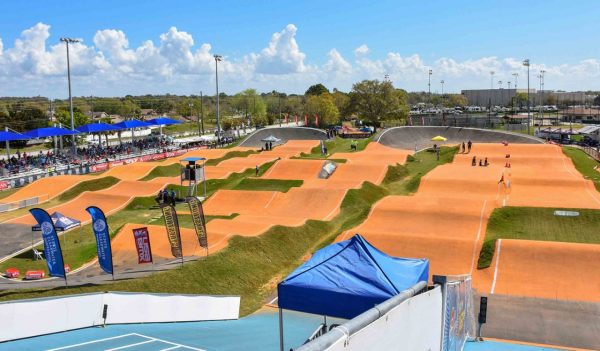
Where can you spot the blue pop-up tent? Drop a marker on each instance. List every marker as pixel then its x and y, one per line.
pixel 132 123
pixel 61 222
pixel 10 136
pixel 97 128
pixel 347 278
pixel 48 132
pixel 163 121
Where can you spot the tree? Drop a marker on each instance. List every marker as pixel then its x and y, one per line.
pixel 342 102
pixel 375 101
pixel 251 105
pixel 597 100
pixel 520 99
pixel 453 100
pixel 21 118
pixel 64 117
pixel 316 89
pixel 324 106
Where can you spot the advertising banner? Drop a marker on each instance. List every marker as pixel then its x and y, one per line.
pixel 198 219
pixel 52 250
pixel 4 185
pixel 142 245
pixel 172 226
pixel 99 167
pixel 100 228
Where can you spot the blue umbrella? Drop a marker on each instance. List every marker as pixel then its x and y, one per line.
pixel 134 123
pixel 163 121
pixel 10 136
pixel 97 128
pixel 48 132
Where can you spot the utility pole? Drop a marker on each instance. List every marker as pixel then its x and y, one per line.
pixel 67 41
pixel 429 86
pixel 217 59
pixel 542 72
pixel 201 116
pixel 279 97
pixel 526 63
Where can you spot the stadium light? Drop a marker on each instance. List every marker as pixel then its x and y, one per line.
pixel 217 59
pixel 526 63
pixel 68 41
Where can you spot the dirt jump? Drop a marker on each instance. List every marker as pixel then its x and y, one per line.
pixel 285 134
pixel 446 220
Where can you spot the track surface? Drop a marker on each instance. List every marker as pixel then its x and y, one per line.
pixel 412 138
pixel 285 134
pixel 447 218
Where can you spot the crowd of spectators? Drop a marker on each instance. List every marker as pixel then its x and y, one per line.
pixel 94 153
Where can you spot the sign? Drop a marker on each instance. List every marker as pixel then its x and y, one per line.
pixel 172 225
pixel 52 249
pixel 103 248
pixel 198 219
pixel 4 185
pixel 142 245
pixel 99 167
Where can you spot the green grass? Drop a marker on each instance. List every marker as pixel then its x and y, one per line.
pixel 186 127
pixel 336 145
pixel 405 179
pixel 88 185
pixel 185 220
pixel 163 171
pixel 8 192
pixel 259 184
pixel 227 156
pixel 584 164
pixel 531 223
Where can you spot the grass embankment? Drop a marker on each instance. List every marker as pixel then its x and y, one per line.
pixel 258 184
pixel 584 164
pixel 186 127
pixel 79 245
pixel 532 223
pixel 227 156
pixel 405 179
pixel 336 145
pixel 173 170
pixel 88 185
pixel 8 192
pixel 252 266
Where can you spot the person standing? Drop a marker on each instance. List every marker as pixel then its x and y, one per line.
pixel 256 171
pixel 173 197
pixel 469 144
pixel 463 147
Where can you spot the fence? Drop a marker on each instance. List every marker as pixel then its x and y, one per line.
pixel 27 318
pixel 593 152
pixel 15 205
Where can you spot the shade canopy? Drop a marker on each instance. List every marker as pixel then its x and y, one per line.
pixel 163 121
pixel 10 136
pixel 347 278
pixel 438 138
pixel 271 139
pixel 49 132
pixel 97 128
pixel 61 222
pixel 134 123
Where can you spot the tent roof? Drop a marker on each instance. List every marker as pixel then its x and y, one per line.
pixel 61 222
pixel 49 132
pixel 133 123
pixel 9 136
pixel 347 278
pixel 271 138
pixel 97 127
pixel 163 121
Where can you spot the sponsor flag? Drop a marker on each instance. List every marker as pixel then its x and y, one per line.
pixel 305 120
pixel 172 225
pixel 286 117
pixel 316 119
pixel 296 118
pixel 198 218
pixel 422 121
pixel 142 245
pixel 52 251
pixel 100 227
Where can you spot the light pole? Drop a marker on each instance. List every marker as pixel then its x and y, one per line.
pixel 217 59
pixel 542 72
pixel 501 95
pixel 429 85
pixel 516 75
pixel 201 115
pixel 279 97
pixel 526 63
pixel 511 104
pixel 72 41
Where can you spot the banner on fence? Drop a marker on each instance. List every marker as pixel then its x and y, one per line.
pixel 198 218
pixel 142 245
pixel 52 250
pixel 172 226
pixel 100 227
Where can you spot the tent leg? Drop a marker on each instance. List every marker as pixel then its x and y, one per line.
pixel 281 330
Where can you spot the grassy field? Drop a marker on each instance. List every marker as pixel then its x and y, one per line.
pixel 88 185
pixel 405 179
pixel 259 184
pixel 584 164
pixel 7 193
pixel 336 145
pixel 252 266
pixel 173 170
pixel 186 127
pixel 531 223
pixel 227 156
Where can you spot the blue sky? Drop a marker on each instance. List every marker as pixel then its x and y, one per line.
pixel 556 35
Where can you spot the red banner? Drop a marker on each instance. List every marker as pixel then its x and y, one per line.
pixel 316 119
pixel 296 117
pixel 286 116
pixel 305 120
pixel 115 164
pixel 99 167
pixel 142 244
pixel 3 185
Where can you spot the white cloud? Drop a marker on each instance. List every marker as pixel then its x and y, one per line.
pixel 283 54
pixel 361 50
pixel 35 64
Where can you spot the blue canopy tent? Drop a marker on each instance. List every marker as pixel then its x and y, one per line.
pixel 163 121
pixel 131 124
pixel 48 132
pixel 61 222
pixel 98 128
pixel 346 279
pixel 7 136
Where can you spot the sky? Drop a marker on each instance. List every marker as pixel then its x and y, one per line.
pixel 158 47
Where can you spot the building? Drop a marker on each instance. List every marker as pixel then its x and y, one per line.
pixel 96 115
pixel 504 97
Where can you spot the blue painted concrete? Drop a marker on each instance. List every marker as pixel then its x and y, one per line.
pixel 503 346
